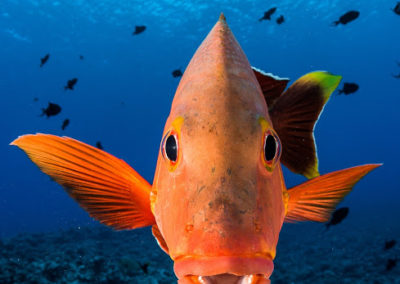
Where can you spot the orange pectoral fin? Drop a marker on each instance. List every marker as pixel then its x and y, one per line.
pixel 315 199
pixel 105 186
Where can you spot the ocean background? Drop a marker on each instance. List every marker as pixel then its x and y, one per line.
pixel 123 97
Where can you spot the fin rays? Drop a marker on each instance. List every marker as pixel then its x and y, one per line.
pixel 294 115
pixel 315 199
pixel 108 188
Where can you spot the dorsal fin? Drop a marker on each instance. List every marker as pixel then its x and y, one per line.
pixel 294 115
pixel 272 86
pixel 105 186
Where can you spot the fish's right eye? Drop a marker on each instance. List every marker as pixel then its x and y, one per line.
pixel 170 148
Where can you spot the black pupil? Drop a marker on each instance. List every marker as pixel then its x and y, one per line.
pixel 171 148
pixel 270 148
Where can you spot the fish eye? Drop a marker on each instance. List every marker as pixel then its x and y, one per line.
pixel 272 149
pixel 170 147
pixel 269 147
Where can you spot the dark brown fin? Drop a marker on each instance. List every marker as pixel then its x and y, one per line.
pixel 316 199
pixel 105 186
pixel 294 115
pixel 160 240
pixel 272 86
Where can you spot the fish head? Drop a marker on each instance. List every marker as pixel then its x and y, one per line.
pixel 218 191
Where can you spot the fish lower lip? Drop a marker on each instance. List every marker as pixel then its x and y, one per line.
pixel 213 265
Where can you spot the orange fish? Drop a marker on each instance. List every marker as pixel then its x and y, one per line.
pixel 218 198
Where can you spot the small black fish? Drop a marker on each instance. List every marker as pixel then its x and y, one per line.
pixel 396 9
pixel 177 73
pixel 268 14
pixel 139 30
pixel 280 20
pixel 348 88
pixel 65 124
pixel 144 267
pixel 338 216
pixel 81 57
pixel 52 109
pixel 347 18
pixel 44 59
pixel 396 76
pixel 71 83
pixel 35 99
pixel 389 244
pixel 390 264
pixel 98 145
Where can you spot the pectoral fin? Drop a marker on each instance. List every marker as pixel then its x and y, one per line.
pixel 315 199
pixel 105 186
pixel 294 115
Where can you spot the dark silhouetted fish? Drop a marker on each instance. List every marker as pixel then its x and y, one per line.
pixel 268 14
pixel 177 73
pixel 51 110
pixel 35 99
pixel 139 30
pixel 98 145
pixel 280 20
pixel 390 264
pixel 347 18
pixel 144 267
pixel 396 76
pixel 71 83
pixel 396 9
pixel 81 57
pixel 338 216
pixel 390 244
pixel 348 88
pixel 65 124
pixel 44 59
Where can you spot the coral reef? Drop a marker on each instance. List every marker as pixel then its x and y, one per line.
pixel 307 253
pixel 87 255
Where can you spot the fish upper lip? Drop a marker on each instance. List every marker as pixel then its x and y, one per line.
pixel 241 265
pixel 256 255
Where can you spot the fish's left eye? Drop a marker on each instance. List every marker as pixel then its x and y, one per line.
pixel 270 146
pixel 271 149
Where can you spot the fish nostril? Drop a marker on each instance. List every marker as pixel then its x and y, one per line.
pixel 189 228
pixel 257 226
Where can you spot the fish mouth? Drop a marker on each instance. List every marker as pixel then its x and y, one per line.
pixel 214 265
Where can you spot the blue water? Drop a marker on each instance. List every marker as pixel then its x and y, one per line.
pixel 125 88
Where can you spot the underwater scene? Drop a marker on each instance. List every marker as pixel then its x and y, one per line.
pixel 199 141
